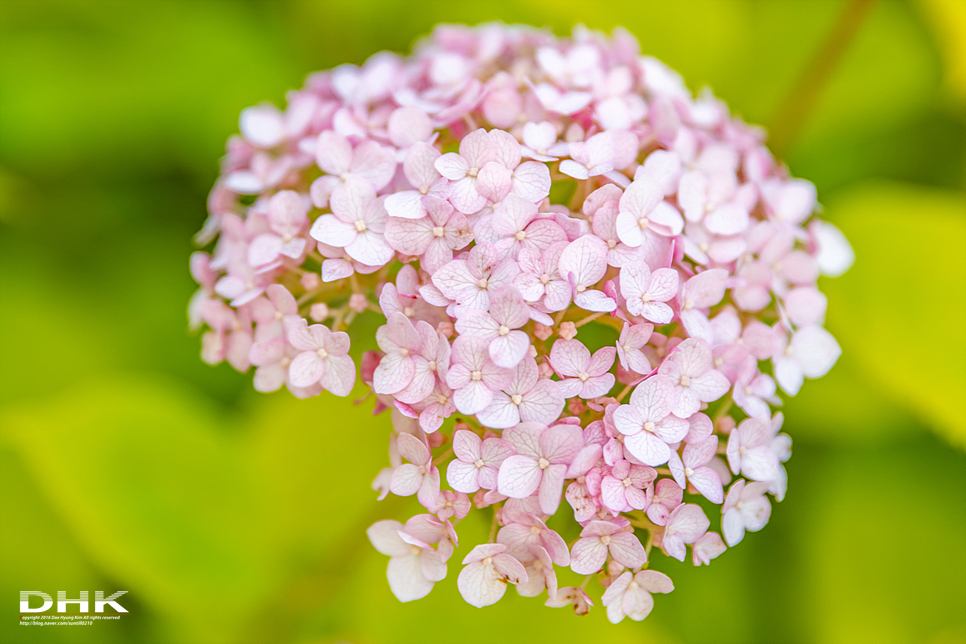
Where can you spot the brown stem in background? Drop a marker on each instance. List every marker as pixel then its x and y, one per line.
pixel 798 106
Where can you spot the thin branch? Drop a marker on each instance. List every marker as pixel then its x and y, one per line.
pixel 798 106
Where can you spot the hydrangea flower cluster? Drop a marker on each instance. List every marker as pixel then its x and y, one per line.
pixel 504 199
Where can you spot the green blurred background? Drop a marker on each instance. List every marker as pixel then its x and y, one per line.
pixel 126 463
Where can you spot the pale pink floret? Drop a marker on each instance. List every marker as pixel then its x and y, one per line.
pixel 540 463
pixel 686 524
pixel 477 462
pixel 452 504
pixel 591 158
pixel 336 157
pixel 570 596
pixel 419 476
pixel 517 226
pixel 667 496
pixel 400 341
pixel 357 223
pixel 528 398
pixel 623 489
pixel 524 533
pixel 697 294
pixel 690 369
pixel 647 292
pixel 753 390
pixel 488 570
pixel 230 337
pixel 644 215
pixel 287 217
pixel 749 450
pixel 499 326
pixel 707 548
pixel 263 125
pixel 745 508
pixel 323 359
pixel 811 353
pixel 540 142
pixel 691 467
pixel 632 339
pixel 469 282
pixel 421 173
pixel 270 313
pixel 473 376
pixel 601 538
pixel 433 237
pixel 540 575
pixel 540 281
pixel 476 150
pixel 436 408
pixel 273 357
pixel 583 263
pixel 584 375
pixel 414 565
pixel 648 424
pixel 630 594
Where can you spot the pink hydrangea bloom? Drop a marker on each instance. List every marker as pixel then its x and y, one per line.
pixel 436 190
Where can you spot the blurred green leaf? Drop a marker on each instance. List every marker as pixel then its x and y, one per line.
pixel 889 568
pixel 142 472
pixel 37 552
pixel 900 309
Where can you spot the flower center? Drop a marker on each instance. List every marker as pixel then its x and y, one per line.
pixel 441 399
pixel 516 399
pixel 504 329
pixel 545 279
pixel 488 561
pixel 360 225
pixel 479 464
pixel 627 482
pixel 482 283
pixel 408 311
pixel 322 353
pixel 414 550
pixel 643 223
pixel 439 231
pixel 543 463
pixel 535 530
pixel 581 288
pixel 685 381
pixel 689 304
pixel 476 375
pixel 584 376
pixel 404 352
pixel 278 315
pixel 473 172
pixel 521 235
pixel 688 472
pixel 605 539
pixel 611 243
pixel 645 298
pixel 649 426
